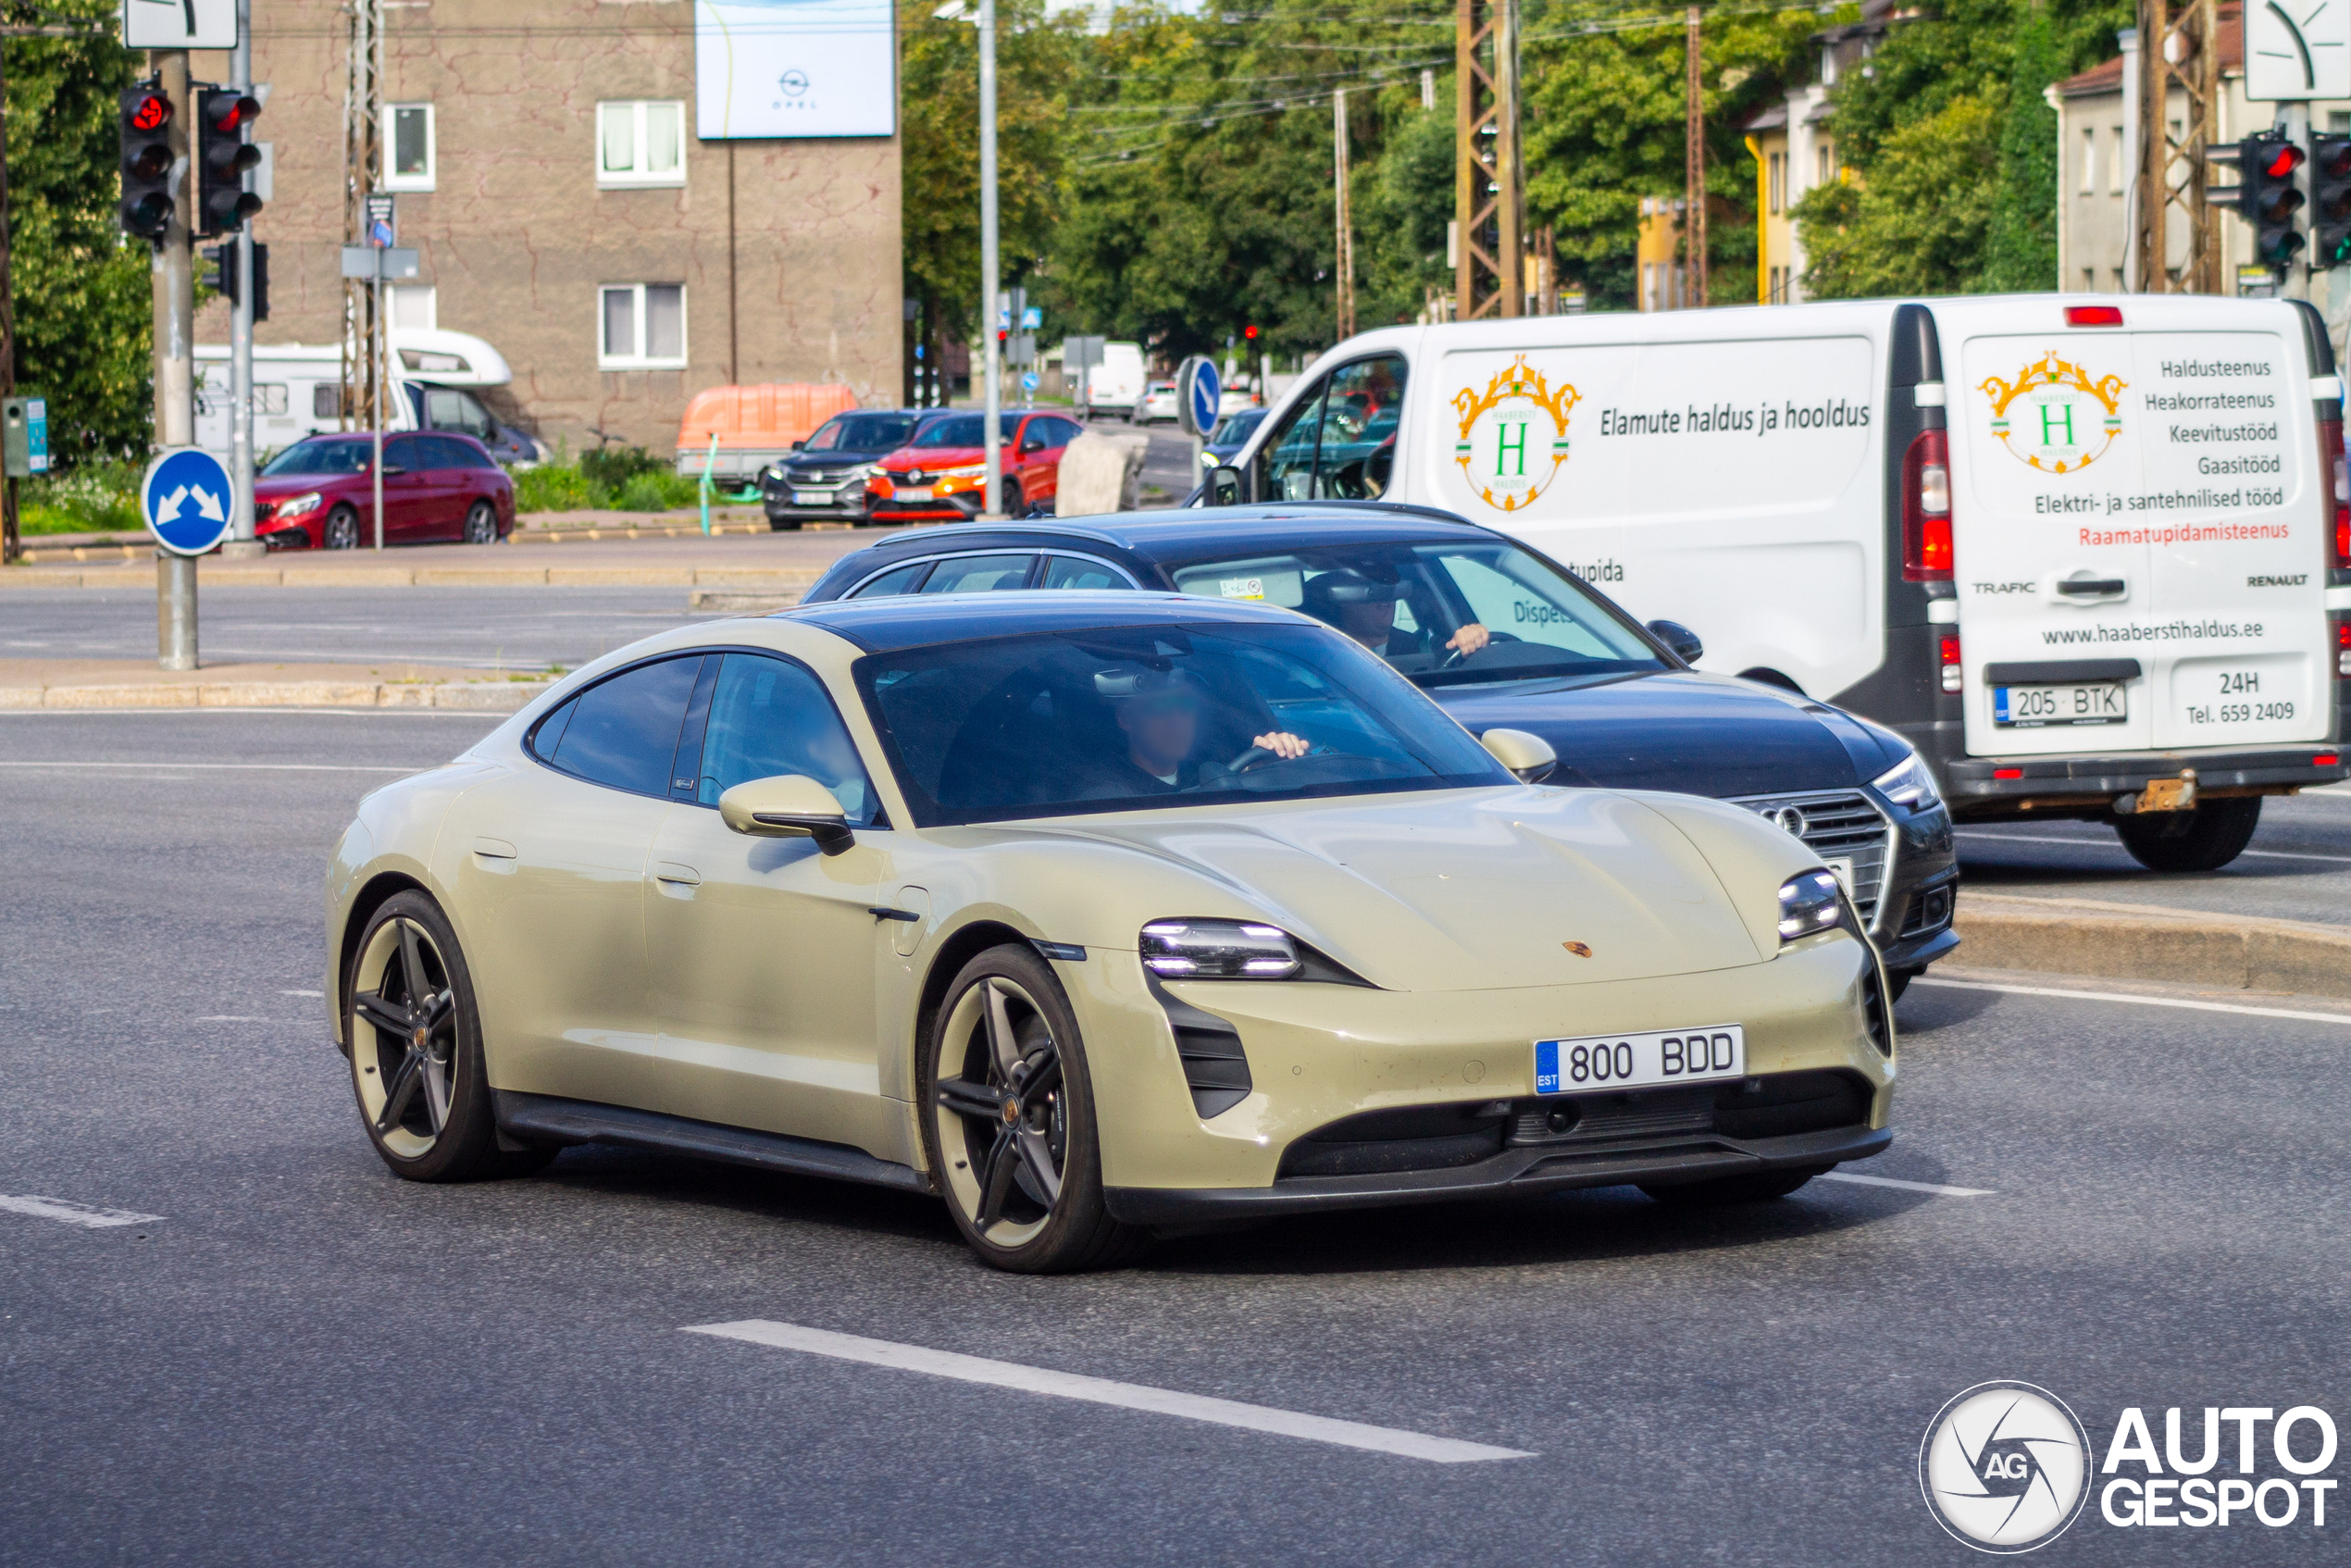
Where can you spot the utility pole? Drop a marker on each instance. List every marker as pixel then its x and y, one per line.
pixel 991 356
pixel 362 172
pixel 1488 183
pixel 11 544
pixel 2178 51
pixel 240 540
pixel 175 362
pixel 1694 165
pixel 1346 263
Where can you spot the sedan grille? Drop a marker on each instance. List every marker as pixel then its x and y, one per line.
pixel 1836 824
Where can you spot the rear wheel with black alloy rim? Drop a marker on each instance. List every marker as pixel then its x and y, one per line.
pixel 1010 1125
pixel 2204 839
pixel 342 528
pixel 482 524
pixel 416 1051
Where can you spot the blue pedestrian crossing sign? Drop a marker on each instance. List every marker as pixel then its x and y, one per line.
pixel 186 500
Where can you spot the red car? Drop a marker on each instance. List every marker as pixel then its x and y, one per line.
pixel 940 481
pixel 318 495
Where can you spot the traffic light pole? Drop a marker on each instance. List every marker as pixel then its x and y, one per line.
pixel 2294 123
pixel 175 362
pixel 241 454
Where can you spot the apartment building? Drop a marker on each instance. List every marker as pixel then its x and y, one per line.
pixel 1795 151
pixel 624 240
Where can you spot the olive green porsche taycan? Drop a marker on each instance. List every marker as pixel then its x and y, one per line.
pixel 1093 914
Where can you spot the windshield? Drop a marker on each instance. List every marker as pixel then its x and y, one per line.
pixel 1442 614
pixel 1234 429
pixel 322 458
pixel 861 432
pixel 1122 718
pixel 964 429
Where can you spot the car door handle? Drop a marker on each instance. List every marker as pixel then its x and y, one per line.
pixel 493 849
pixel 683 876
pixel 2095 585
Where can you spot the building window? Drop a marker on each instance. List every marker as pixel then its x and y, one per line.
pixel 411 306
pixel 408 149
pixel 2115 180
pixel 2089 161
pixel 641 144
pixel 643 327
pixel 1775 181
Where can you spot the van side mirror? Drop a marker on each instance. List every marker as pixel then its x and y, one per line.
pixel 792 805
pixel 1680 640
pixel 1225 488
pixel 1529 757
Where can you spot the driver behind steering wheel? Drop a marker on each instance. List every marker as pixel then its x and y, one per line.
pixel 1365 611
pixel 1158 714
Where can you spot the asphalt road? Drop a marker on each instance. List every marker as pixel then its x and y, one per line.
pixel 299 1358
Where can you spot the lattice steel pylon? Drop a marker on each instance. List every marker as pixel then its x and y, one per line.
pixel 362 172
pixel 1489 183
pixel 2178 51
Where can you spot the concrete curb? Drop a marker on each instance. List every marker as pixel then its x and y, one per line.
pixel 478 696
pixel 2127 941
pixel 775 579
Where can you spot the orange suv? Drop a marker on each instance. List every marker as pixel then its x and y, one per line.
pixel 941 479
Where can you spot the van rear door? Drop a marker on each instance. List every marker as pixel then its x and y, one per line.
pixel 2137 529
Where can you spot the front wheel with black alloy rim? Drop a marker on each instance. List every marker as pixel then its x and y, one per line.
pixel 2203 840
pixel 341 531
pixel 1010 1126
pixel 416 1049
pixel 482 524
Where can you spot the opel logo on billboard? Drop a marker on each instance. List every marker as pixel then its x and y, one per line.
pixel 1791 819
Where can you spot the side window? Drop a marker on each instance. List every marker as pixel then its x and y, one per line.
pixel 1060 432
pixel 1360 419
pixel 979 574
pixel 446 408
pixel 1286 460
pixel 443 453
pixel 769 717
pixel 401 453
pixel 902 580
pixel 1068 571
pixel 623 732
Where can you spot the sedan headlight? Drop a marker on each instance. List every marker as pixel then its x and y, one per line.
pixel 1810 903
pixel 309 501
pixel 1909 784
pixel 1218 950
pixel 968 472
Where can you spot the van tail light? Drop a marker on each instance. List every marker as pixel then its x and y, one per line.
pixel 2339 492
pixel 1926 509
pixel 2343 648
pixel 1950 660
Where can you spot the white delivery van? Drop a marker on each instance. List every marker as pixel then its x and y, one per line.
pixel 297 392
pixel 1116 385
pixel 2090 555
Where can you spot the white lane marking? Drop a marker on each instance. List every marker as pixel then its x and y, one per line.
pixel 87 1215
pixel 229 1018
pixel 2142 1001
pixel 302 993
pixel 2117 847
pixel 1939 1190
pixel 1103 1391
pixel 229 766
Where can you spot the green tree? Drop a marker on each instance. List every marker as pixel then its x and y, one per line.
pixel 81 295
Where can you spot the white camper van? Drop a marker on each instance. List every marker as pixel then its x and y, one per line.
pixel 297 392
pixel 2090 555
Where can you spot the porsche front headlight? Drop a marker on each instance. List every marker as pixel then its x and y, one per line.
pixel 1810 903
pixel 1909 783
pixel 1218 950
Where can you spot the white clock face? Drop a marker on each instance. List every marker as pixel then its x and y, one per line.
pixel 2296 49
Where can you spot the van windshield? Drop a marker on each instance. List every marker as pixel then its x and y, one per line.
pixel 1444 614
pixel 343 456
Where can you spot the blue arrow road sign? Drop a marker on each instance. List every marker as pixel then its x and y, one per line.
pixel 185 500
pixel 1028 382
pixel 1206 394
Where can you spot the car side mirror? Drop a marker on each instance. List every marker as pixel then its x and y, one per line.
pixel 790 805
pixel 800 446
pixel 1681 639
pixel 1530 757
pixel 1224 487
pixel 1032 444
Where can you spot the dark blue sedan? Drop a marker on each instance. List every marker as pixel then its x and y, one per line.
pixel 1503 636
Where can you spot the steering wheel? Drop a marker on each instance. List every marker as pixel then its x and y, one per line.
pixel 1457 654
pixel 1258 756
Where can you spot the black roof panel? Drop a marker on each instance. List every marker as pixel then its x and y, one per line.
pixel 918 620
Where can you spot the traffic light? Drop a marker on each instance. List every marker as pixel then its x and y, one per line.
pixel 224 118
pixel 224 279
pixel 2268 197
pixel 1250 334
pixel 2330 200
pixel 146 162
